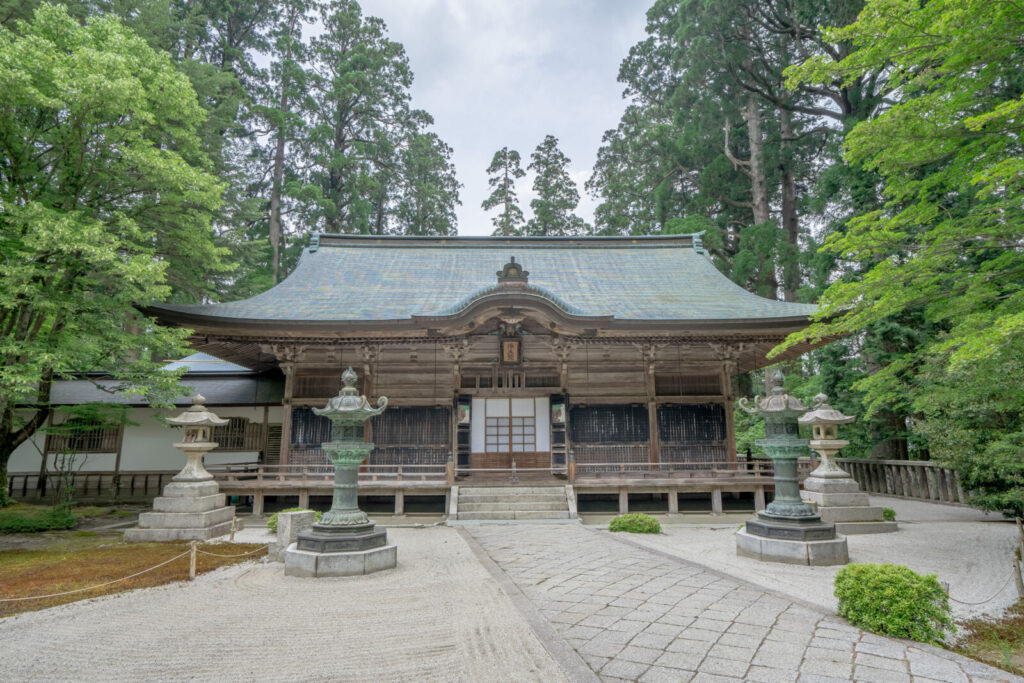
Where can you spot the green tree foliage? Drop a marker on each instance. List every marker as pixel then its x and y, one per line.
pixel 428 190
pixel 505 170
pixel 557 196
pixel 106 201
pixel 945 247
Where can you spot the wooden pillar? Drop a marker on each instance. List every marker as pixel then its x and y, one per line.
pixel 304 498
pixel 673 501
pixel 716 501
pixel 286 431
pixel 730 427
pixel 257 503
pixel 288 369
pixel 759 498
pixel 399 502
pixel 647 364
pixel 623 500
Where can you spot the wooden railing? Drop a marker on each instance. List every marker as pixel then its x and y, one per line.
pixel 315 475
pixel 124 486
pixel 719 469
pixel 920 479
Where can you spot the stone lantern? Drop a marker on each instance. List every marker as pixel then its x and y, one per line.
pixel 836 494
pixel 788 529
pixel 344 542
pixel 192 507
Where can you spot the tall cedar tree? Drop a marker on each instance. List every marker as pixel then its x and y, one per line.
pixel 505 170
pixel 557 196
pixel 106 201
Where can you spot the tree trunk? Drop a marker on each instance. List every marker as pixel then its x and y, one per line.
pixel 758 181
pixel 274 220
pixel 790 223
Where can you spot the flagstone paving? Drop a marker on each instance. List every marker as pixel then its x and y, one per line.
pixel 637 615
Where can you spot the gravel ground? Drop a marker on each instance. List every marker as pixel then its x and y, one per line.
pixel 438 617
pixel 967 549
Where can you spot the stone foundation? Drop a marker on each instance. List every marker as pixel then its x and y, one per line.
pixel 814 553
pixel 188 511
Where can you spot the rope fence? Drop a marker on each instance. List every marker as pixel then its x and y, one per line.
pixel 191 552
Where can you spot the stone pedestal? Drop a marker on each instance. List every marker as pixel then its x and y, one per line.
pixel 839 500
pixel 188 511
pixel 810 552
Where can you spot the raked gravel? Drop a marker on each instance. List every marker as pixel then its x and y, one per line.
pixel 439 616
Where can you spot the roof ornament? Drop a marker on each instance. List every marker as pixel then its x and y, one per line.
pixel 314 242
pixel 698 242
pixel 512 274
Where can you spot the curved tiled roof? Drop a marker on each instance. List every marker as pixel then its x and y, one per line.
pixel 359 278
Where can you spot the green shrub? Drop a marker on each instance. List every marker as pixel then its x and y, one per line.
pixel 636 523
pixel 892 600
pixel 888 514
pixel 29 519
pixel 272 522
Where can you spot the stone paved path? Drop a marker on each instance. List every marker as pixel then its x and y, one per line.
pixel 633 614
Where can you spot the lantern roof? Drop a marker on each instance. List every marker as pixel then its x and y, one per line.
pixel 197 415
pixel 823 413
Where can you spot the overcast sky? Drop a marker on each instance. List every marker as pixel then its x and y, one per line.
pixel 496 73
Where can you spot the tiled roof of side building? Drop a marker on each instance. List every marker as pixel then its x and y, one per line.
pixel 367 278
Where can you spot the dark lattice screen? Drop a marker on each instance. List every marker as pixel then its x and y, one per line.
pixel 308 429
pixel 413 426
pixel 608 424
pixel 692 433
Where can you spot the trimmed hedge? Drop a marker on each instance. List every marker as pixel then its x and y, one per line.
pixel 635 523
pixel 15 521
pixel 893 600
pixel 272 522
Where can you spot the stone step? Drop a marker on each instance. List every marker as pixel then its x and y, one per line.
pixel 163 535
pixel 512 490
pixel 181 504
pixel 854 528
pixel 515 514
pixel 517 505
pixel 511 499
pixel 186 520
pixel 836 499
pixel 851 514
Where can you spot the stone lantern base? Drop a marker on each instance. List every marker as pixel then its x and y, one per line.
pixel 839 500
pixel 815 553
pixel 188 511
pixel 340 551
pixel 809 541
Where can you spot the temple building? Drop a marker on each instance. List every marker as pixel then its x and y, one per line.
pixel 612 351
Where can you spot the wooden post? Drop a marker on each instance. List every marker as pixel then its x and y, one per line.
pixel 673 502
pixel 572 467
pixel 192 561
pixel 257 503
pixel 304 498
pixel 449 469
pixel 286 431
pixel 623 500
pixel 399 502
pixel 716 501
pixel 759 498
pixel 234 527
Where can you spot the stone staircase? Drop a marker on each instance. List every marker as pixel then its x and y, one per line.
pixel 512 503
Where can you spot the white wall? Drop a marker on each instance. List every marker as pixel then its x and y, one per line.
pixel 149 444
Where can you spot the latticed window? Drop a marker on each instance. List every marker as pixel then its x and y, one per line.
pixel 81 435
pixel 232 435
pixel 511 434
